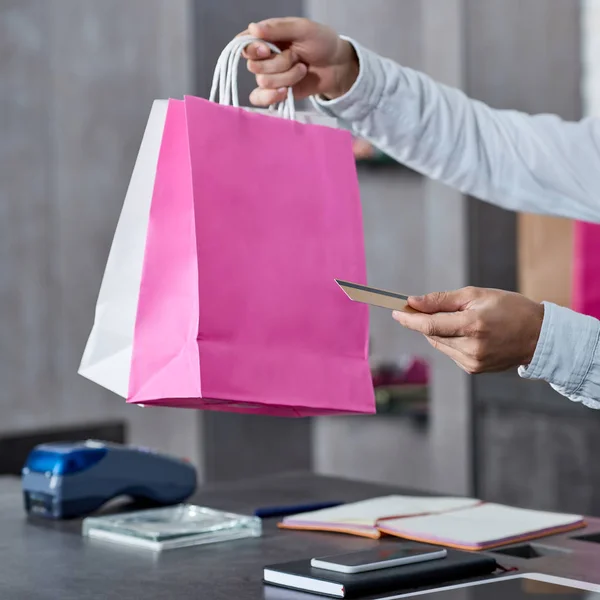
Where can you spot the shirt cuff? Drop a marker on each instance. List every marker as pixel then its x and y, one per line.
pixel 565 351
pixel 364 95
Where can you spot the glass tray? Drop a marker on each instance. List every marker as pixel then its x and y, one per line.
pixel 172 527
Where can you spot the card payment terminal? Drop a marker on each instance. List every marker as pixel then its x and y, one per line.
pixel 65 480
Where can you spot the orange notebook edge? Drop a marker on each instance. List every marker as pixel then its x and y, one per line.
pixel 375 534
pixel 376 530
pixel 490 545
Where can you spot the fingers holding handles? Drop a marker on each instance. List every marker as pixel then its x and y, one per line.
pixel 225 77
pixel 277 78
pixel 256 51
pixel 287 30
pixel 315 60
pixel 275 73
pixel 262 60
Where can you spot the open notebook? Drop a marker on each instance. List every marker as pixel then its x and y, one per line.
pixel 463 523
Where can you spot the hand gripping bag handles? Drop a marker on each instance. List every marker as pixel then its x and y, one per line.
pixel 219 290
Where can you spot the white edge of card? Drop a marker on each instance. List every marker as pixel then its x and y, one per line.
pixel 581 585
pixel 298 582
pixel 345 292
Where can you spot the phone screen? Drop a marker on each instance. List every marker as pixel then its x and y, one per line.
pixel 377 555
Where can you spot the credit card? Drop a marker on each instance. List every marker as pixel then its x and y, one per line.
pixel 375 296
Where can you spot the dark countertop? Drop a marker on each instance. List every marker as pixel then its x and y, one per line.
pixel 47 560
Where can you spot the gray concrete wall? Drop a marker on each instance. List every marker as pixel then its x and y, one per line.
pixel 447 247
pixel 383 448
pixel 78 78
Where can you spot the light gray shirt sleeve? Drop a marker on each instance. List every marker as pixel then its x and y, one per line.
pixel 539 164
pixel 568 355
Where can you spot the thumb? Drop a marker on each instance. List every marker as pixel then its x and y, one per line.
pixel 440 301
pixel 288 29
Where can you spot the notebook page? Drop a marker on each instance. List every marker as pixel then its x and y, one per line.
pixel 480 525
pixel 368 512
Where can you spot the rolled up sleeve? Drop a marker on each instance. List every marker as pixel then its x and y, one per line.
pixel 567 355
pixel 365 95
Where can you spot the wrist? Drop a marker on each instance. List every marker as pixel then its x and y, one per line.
pixel 535 332
pixel 346 70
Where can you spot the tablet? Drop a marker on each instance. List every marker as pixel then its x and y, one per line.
pixel 529 586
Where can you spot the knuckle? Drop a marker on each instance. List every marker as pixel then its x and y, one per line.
pixel 257 97
pixel 479 351
pixel 297 73
pixel 280 63
pixel 288 58
pixel 265 81
pixel 438 297
pixel 429 329
pixel 479 328
pixel 255 66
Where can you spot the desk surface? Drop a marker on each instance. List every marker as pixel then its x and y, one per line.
pixel 44 560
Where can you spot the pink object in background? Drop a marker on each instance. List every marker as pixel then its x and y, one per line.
pixel 252 219
pixel 413 371
pixel 586 269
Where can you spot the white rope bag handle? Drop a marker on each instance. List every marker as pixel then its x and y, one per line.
pixel 225 77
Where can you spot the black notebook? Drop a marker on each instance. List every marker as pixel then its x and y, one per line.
pixel 299 575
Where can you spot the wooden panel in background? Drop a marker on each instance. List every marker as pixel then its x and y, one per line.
pixel 545 258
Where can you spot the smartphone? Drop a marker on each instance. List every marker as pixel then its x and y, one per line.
pixel 379 558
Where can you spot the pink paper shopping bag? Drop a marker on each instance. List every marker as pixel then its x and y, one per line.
pixel 252 218
pixel 586 269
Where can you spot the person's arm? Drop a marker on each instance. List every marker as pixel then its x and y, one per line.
pixel 529 163
pixel 538 164
pixel 486 330
pixel 567 355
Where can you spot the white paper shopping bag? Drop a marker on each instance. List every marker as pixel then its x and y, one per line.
pixel 107 356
